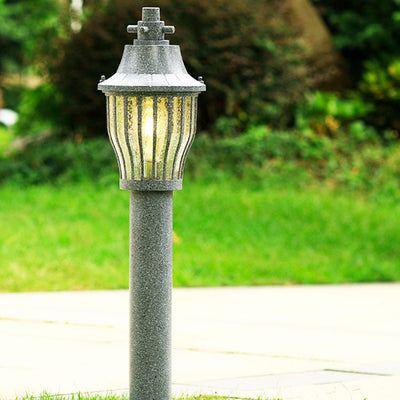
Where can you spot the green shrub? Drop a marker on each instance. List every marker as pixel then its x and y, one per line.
pixel 367 36
pixel 329 144
pixel 5 138
pixel 381 85
pixel 355 158
pixel 38 110
pixel 26 29
pixel 258 150
pixel 60 160
pixel 325 112
pixel 363 31
pixel 252 66
pixel 382 82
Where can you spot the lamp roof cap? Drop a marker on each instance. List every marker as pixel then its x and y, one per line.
pixel 151 64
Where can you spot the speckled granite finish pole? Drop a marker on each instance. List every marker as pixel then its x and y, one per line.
pixel 151 104
pixel 150 294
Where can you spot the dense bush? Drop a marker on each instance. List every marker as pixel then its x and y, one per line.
pixel 251 64
pixel 363 31
pixel 380 84
pixel 39 110
pixel 355 159
pixel 367 35
pixel 25 26
pixel 54 159
pixel 330 143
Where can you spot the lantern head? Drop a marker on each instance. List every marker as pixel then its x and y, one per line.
pixel 151 108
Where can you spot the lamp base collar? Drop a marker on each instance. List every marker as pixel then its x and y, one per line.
pixel 150 185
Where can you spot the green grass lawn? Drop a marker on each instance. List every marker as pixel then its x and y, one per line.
pixel 76 237
pixel 113 397
pixel 116 397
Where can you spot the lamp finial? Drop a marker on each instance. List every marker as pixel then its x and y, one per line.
pixel 151 30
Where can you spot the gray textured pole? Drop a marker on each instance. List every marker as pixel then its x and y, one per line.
pixel 141 74
pixel 150 295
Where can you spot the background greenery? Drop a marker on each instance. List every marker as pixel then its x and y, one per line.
pixel 368 38
pixel 286 183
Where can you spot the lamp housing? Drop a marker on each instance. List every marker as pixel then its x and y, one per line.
pixel 151 108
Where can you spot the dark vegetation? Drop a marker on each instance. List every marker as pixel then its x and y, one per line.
pixel 262 112
pixel 251 63
pixel 367 35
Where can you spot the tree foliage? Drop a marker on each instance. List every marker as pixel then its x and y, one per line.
pixel 26 28
pixel 367 34
pixel 363 31
pixel 251 64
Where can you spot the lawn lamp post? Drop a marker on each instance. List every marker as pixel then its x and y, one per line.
pixel 151 122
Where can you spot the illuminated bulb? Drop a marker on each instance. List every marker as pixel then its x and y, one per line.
pixel 148 132
pixel 148 137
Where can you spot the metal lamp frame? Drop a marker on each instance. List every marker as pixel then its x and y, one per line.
pixel 151 67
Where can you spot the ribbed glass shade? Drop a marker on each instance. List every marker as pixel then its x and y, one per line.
pixel 151 135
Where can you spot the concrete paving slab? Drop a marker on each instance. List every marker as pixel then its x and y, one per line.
pixel 299 342
pixel 283 380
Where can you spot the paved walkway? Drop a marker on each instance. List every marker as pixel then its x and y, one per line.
pixel 298 342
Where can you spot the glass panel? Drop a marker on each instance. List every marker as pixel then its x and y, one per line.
pixel 191 135
pixel 176 129
pixel 162 135
pixel 185 136
pixel 147 136
pixel 151 132
pixel 133 138
pixel 114 136
pixel 122 140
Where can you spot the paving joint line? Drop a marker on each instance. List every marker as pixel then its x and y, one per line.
pixel 357 372
pixel 55 322
pixel 244 353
